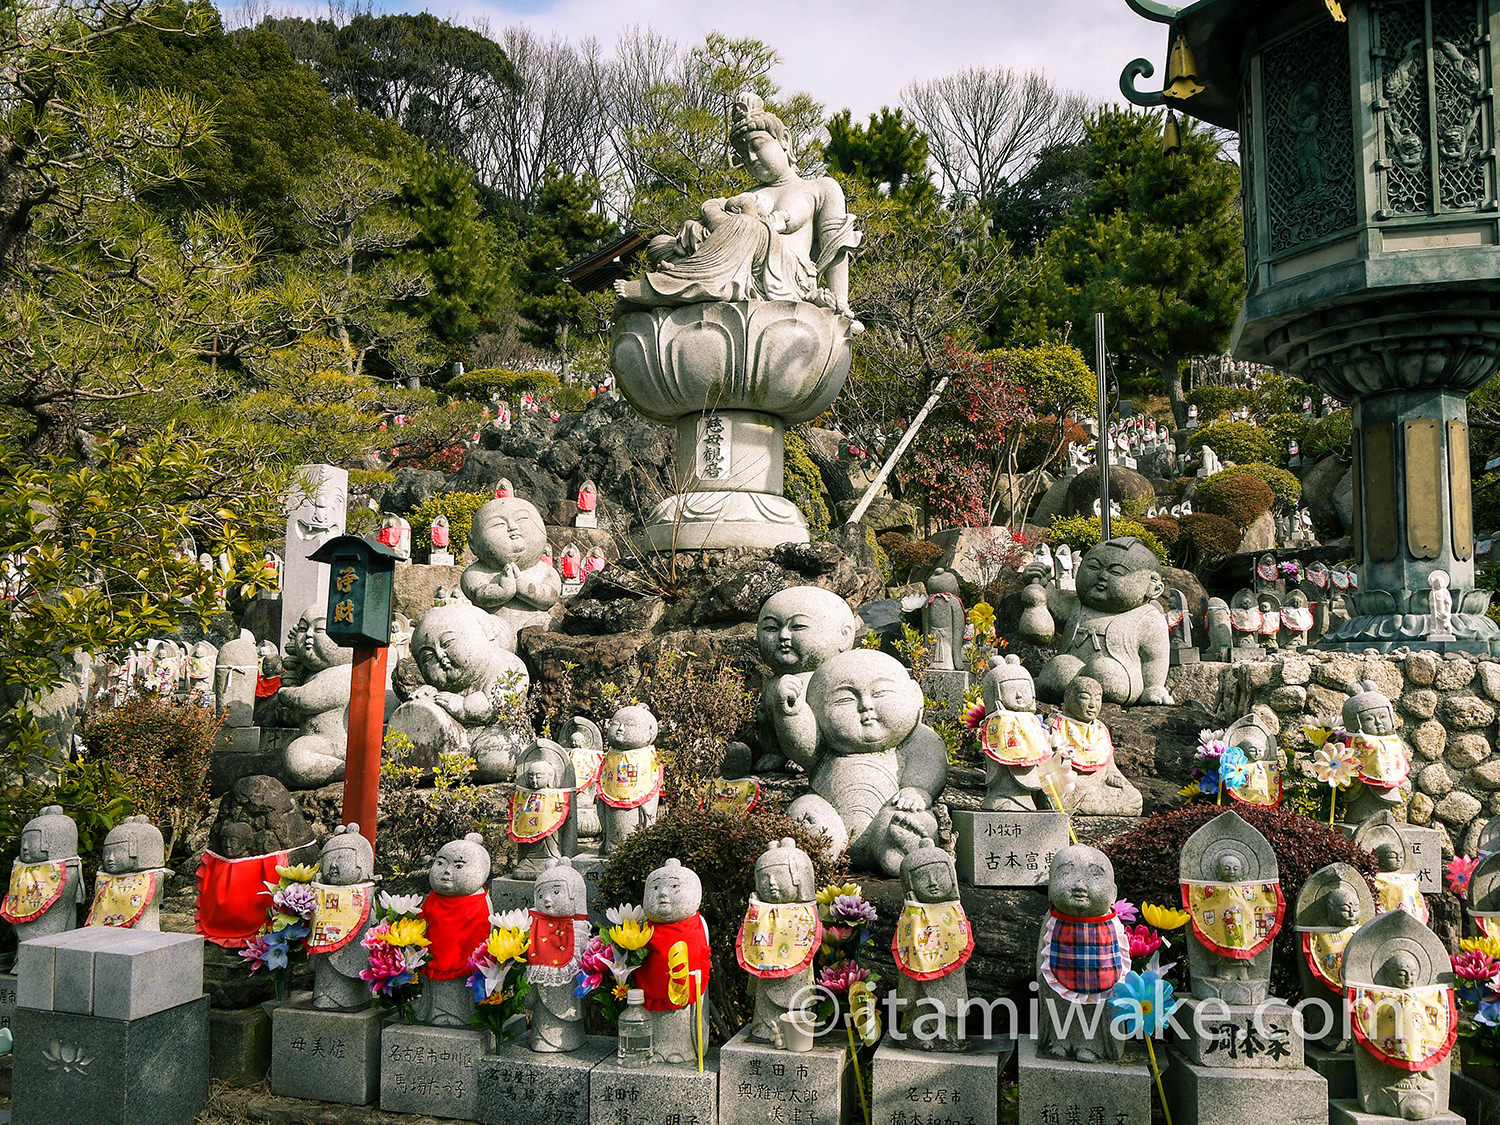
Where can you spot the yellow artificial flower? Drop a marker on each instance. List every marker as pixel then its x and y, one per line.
pixel 408 931
pixel 508 944
pixel 833 890
pixel 864 1013
pixel 1486 945
pixel 622 990
pixel 982 617
pixel 630 935
pixel 296 873
pixel 1164 917
pixel 1189 790
pixel 1317 735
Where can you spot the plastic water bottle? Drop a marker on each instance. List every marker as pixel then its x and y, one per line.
pixel 635 1032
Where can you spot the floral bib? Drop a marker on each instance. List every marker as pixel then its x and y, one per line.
pixel 1262 785
pixel 1397 890
pixel 630 778
pixel 339 913
pixel 1016 738
pixel 536 814
pixel 778 939
pixel 1088 745
pixel 1383 760
pixel 120 900
pixel 1236 920
pixel 34 887
pixel 1324 955
pixel 932 939
pixel 739 796
pixel 1408 1028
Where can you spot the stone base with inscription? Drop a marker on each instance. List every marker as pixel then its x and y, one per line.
pixel 1347 1112
pixel 440 558
pixel 325 1055
pixel 7 999
pixel 1182 656
pixel 660 1094
pixel 1217 1095
pixel 963 1087
pixel 1097 1093
pixel 1007 849
pixel 760 1085
pixel 1337 1067
pixel 432 1070
pixel 519 1086
pixel 1241 1037
pixel 507 893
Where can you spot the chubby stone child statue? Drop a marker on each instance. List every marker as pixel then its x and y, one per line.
pixel 674 975
pixel 1084 950
pixel 343 894
pixel 780 935
pixel 1112 630
pixel 543 817
pixel 559 935
pixel 631 777
pixel 1080 736
pixel 128 888
pixel 46 880
pixel 510 579
pixel 1014 740
pixel 797 630
pixel 877 769
pixel 932 944
pixel 320 704
pixel 457 912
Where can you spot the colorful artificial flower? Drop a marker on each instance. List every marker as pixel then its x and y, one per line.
pixel 619 915
pixel 1211 744
pixel 511 920
pixel 982 617
pixel 1142 1003
pixel 1460 869
pixel 1486 945
pixel 1144 941
pixel 297 899
pixel 297 873
pixel 592 965
pixel 1488 1012
pixel 975 715
pixel 1318 732
pixel 1292 570
pixel 1335 765
pixel 508 944
pixel 631 935
pixel 408 931
pixel 864 1012
pixel 828 894
pixel 255 953
pixel 1475 965
pixel 851 910
pixel 1210 782
pixel 400 904
pixel 1164 917
pixel 838 977
pixel 1125 911
pixel 388 968
pixel 1233 767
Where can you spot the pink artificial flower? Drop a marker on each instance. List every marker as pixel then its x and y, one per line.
pixel 1460 869
pixel 974 717
pixel 255 953
pixel 1125 911
pixel 839 976
pixel 1475 966
pixel 836 933
pixel 1143 941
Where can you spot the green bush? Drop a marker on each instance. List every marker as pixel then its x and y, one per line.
pixel 1279 394
pixel 1240 442
pixel 1286 489
pixel 361 520
pixel 509 384
pixel 882 559
pixel 161 748
pixel 802 484
pixel 459 507
pixel 1241 498
pixel 1214 401
pixel 1165 528
pixel 571 400
pixel 1206 538
pixel 366 481
pixel 1084 532
pixel 1146 863
pixel 1487 507
pixel 1333 434
pixel 1285 428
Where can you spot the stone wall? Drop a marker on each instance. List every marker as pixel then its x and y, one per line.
pixel 1446 709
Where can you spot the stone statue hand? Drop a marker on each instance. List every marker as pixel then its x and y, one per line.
pixel 424 691
pixel 790 697
pixel 1037 572
pixel 911 800
pixel 781 221
pixel 1156 695
pixel 450 702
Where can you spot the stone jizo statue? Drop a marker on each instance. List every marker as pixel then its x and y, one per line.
pixel 932 944
pixel 943 619
pixel 797 630
pixel 1263 776
pixel 543 813
pixel 1232 889
pixel 510 579
pixel 559 935
pixel 345 891
pixel 46 879
pixel 128 888
pixel 1014 739
pixel 585 743
pixel 1384 759
pixel 779 936
pixel 1396 886
pixel 1080 736
pixel 319 703
pixel 1083 952
pixel 1440 606
pixel 675 974
pixel 631 778
pixel 1332 905
pixel 457 911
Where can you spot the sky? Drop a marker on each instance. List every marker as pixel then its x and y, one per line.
pixel 859 54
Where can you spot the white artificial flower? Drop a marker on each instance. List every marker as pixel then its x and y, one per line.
pixel 401 904
pixel 618 915
pixel 511 920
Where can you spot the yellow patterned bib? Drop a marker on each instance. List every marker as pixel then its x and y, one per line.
pixel 1016 738
pixel 778 939
pixel 1397 890
pixel 120 900
pixel 739 796
pixel 1235 920
pixel 536 814
pixel 1262 785
pixel 1408 1028
pixel 630 778
pixel 932 939
pixel 586 766
pixel 339 913
pixel 33 888
pixel 1087 744
pixel 1383 759
pixel 1324 954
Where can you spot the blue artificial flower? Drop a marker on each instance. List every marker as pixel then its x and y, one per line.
pixel 1232 756
pixel 1233 775
pixel 1489 1011
pixel 1141 1003
pixel 1209 782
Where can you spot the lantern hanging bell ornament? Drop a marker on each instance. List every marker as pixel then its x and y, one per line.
pixel 1182 72
pixel 1336 10
pixel 1171 135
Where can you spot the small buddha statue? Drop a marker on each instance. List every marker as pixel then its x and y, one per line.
pixel 779 935
pixel 585 743
pixel 932 944
pixel 543 817
pixel 1396 886
pixel 1079 735
pixel 46 879
pixel 1014 739
pixel 457 911
pixel 1232 891
pixel 343 894
pixel 1384 760
pixel 1083 952
pixel 675 972
pixel 631 778
pixel 1332 905
pixel 559 935
pixel 128 888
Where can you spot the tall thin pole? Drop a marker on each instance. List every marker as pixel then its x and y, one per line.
pixel 362 757
pixel 1103 428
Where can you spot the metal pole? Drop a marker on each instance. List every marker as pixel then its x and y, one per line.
pixel 890 462
pixel 1103 428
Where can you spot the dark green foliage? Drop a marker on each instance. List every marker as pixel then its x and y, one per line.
pixel 890 152
pixel 700 706
pixel 1487 507
pixel 1238 497
pixel 721 848
pixel 1333 434
pixel 1284 429
pixel 803 485
pixel 483 382
pixel 562 225
pixel 1146 864
pixel 1206 538
pixel 1214 401
pixel 1240 442
pixel 1037 202
pixel 162 749
pixel 459 507
pixel 1165 528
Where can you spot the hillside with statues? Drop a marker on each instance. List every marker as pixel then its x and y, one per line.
pixel 830 657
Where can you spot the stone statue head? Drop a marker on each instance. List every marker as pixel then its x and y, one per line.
pixel 745 203
pixel 545 765
pixel 347 858
pixel 784 873
pixel 1252 736
pixel 1380 835
pixel 560 891
pixel 509 530
pixel 1341 907
pixel 584 734
pixel 800 627
pixel 1083 699
pixel 1367 711
pixel 135 844
pixel 1008 686
pixel 738 761
pixel 673 893
pixel 314 648
pixel 461 867
pixel 460 648
pixel 1399 970
pixel 631 728
pixel 760 140
pixel 1119 575
pixel 1218 610
pixel 864 701
pixel 928 873
pixel 942 582
pixel 1082 882
pixel 49 836
pixel 1227 849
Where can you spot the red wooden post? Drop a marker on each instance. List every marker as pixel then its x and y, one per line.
pixel 366 727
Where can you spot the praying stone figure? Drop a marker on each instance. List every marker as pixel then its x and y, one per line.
pixel 631 777
pixel 1081 737
pixel 943 619
pixel 457 912
pixel 876 769
pixel 1398 981
pixel 343 893
pixel 559 935
pixel 585 744
pixel 1332 905
pixel 1262 770
pixel 128 888
pixel 1113 630
pixel 1084 950
pixel 472 676
pixel 674 975
pixel 319 703
pixel 797 630
pixel 46 879
pixel 1384 759
pixel 543 816
pixel 1014 739
pixel 1231 887
pixel 510 579
pixel 1440 607
pixel 932 944
pixel 779 936
pixel 1396 885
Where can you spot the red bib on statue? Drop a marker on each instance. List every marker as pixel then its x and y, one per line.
pixel 456 926
pixel 232 896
